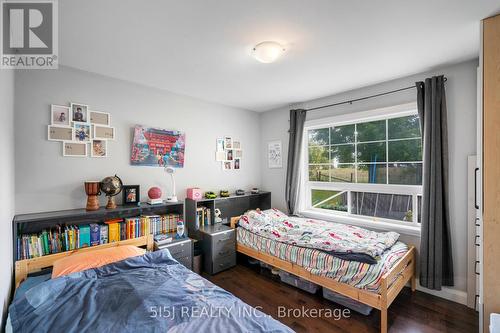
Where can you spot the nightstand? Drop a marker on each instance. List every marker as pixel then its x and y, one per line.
pixel 180 249
pixel 218 243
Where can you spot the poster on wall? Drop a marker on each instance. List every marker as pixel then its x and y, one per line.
pixel 157 147
pixel 275 157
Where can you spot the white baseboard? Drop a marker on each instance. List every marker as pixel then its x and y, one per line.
pixel 450 294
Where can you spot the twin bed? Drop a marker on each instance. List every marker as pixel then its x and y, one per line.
pixel 153 292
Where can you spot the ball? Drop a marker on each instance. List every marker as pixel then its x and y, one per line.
pixel 154 193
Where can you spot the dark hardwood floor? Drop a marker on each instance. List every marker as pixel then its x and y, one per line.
pixel 410 312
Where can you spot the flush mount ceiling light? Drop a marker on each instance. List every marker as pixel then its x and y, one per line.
pixel 268 52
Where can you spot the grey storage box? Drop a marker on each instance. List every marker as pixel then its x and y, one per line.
pixel 347 302
pixel 298 282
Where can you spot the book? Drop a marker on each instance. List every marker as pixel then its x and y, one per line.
pixel 84 236
pixel 104 234
pixel 113 231
pixel 95 234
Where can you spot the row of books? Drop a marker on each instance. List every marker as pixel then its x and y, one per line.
pixel 203 216
pixel 71 237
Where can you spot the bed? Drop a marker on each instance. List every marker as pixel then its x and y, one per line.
pixel 151 292
pixel 376 285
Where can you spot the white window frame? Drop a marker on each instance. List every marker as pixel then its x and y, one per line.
pixel 306 186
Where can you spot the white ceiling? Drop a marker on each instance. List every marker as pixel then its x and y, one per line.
pixel 202 48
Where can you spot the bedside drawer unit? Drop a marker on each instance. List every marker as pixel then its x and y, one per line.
pixel 181 250
pixel 219 248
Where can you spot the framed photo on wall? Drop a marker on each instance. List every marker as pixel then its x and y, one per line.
pixel 82 132
pixel 100 118
pixel 60 133
pixel 60 115
pixel 274 155
pixel 99 148
pixel 75 149
pixel 103 132
pixel 79 113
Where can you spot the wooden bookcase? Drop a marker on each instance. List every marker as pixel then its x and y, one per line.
pixel 234 205
pixel 36 222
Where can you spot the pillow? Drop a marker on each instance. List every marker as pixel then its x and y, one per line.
pixel 78 262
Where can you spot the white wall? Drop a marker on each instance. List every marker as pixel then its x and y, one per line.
pixel 47 181
pixel 7 181
pixel 461 103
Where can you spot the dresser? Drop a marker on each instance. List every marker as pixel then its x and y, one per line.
pixel 218 243
pixel 180 249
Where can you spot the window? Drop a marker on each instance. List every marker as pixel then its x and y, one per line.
pixel 366 165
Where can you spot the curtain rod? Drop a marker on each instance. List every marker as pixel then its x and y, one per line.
pixel 363 98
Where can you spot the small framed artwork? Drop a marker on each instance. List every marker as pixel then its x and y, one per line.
pixel 74 149
pixel 79 113
pixel 100 118
pixel 238 153
pixel 59 115
pixel 82 132
pixel 104 132
pixel 228 142
pixel 220 156
pixel 220 144
pixel 236 144
pixel 59 133
pixel 131 195
pixel 99 148
pixel 229 155
pixel 227 165
pixel 237 164
pixel 274 155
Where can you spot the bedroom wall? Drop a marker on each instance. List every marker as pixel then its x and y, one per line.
pixel 461 102
pixel 47 181
pixel 7 181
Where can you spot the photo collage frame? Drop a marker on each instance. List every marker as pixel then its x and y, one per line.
pixel 229 153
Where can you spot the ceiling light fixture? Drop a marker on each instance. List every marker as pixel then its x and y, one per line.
pixel 268 52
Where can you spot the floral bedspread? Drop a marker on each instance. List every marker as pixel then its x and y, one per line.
pixel 316 234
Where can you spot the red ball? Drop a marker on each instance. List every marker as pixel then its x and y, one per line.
pixel 154 193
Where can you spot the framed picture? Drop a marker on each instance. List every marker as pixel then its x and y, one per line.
pixel 158 147
pixel 131 195
pixel 220 156
pixel 79 113
pixel 236 144
pixel 59 133
pixel 237 164
pixel 82 132
pixel 104 132
pixel 227 165
pixel 220 144
pixel 100 118
pixel 229 155
pixel 59 115
pixel 99 148
pixel 238 153
pixel 75 149
pixel 228 142
pixel 274 155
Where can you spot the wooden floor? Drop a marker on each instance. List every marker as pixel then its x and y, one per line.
pixel 410 312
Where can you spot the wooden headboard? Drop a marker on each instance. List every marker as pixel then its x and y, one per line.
pixel 27 266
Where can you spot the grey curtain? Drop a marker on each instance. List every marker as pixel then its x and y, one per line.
pixel 297 119
pixel 436 261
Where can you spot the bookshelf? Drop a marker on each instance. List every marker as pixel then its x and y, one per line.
pixel 36 222
pixel 231 206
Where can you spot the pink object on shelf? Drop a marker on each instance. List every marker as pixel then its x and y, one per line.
pixel 154 193
pixel 194 193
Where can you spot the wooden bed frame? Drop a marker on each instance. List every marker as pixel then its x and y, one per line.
pixel 402 273
pixel 28 266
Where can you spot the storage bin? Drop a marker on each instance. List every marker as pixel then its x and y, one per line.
pixel 347 302
pixel 298 282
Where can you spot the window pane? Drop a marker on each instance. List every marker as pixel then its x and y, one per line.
pixel 319 173
pixel 332 200
pixel 372 131
pixel 404 127
pixel 342 134
pixel 372 173
pixel 319 155
pixel 342 173
pixel 371 152
pixel 387 206
pixel 319 137
pixel 342 154
pixel 405 150
pixel 405 173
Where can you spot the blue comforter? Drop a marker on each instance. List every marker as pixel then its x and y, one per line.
pixel 150 293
